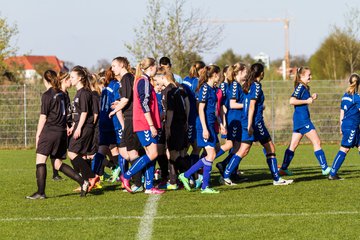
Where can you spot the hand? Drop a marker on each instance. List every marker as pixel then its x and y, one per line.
pixel 114 104
pixel 154 132
pixel 310 100
pixel 223 130
pixel 77 133
pixel 314 96
pixel 70 130
pixel 205 134
pixel 250 130
pixel 112 113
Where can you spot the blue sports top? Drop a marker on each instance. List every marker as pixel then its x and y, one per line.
pixel 208 96
pixel 234 92
pixel 255 93
pixel 190 85
pixel 224 86
pixel 301 115
pixel 350 103
pixel 108 95
pixel 159 99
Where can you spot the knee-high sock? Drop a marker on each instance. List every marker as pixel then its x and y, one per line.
pixel 68 171
pixel 55 172
pixel 272 163
pixel 149 174
pixel 320 155
pixel 137 177
pixel 234 162
pixel 172 171
pixel 206 174
pixel 122 164
pixel 199 164
pixel 41 177
pixel 140 163
pixel 338 161
pixel 96 163
pixel 75 165
pixel 219 153
pixel 84 168
pixel 163 163
pixel 288 156
pixel 227 159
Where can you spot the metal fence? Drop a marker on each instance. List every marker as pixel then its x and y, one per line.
pixel 20 108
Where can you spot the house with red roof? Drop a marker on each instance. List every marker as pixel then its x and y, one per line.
pixel 30 65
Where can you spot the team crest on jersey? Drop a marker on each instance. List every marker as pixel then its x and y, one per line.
pixel 76 100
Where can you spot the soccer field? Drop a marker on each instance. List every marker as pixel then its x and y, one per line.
pixel 311 208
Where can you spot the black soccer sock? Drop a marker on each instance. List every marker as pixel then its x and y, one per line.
pixel 180 164
pixel 137 176
pixel 172 172
pixel 163 163
pixel 71 173
pixel 41 177
pixel 55 172
pixel 84 168
pixel 75 165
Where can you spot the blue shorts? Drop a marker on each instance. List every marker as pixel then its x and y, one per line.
pixel 234 131
pixel 260 134
pixel 211 142
pixel 304 129
pixel 146 139
pixel 107 138
pixel 191 133
pixel 350 138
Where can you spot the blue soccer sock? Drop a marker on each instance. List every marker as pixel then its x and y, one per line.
pixel 338 161
pixel 264 151
pixel 234 162
pixel 199 164
pixel 272 163
pixel 149 174
pixel 320 155
pixel 97 162
pixel 122 164
pixel 219 153
pixel 206 174
pixel 289 155
pixel 140 163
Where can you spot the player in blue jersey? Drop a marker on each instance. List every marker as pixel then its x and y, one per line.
pixel 234 104
pixel 349 124
pixel 301 98
pixel 205 126
pixel 224 86
pixel 190 84
pixel 253 126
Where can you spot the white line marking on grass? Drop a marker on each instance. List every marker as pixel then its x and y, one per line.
pixel 146 223
pixel 147 218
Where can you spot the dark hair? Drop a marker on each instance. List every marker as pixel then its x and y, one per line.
pixel 165 61
pixel 109 75
pixel 124 61
pixel 354 84
pixel 63 75
pixel 83 74
pixel 206 73
pixel 255 71
pixel 223 76
pixel 299 72
pixel 234 70
pixel 51 77
pixel 194 70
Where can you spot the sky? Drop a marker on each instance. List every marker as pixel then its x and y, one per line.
pixel 85 31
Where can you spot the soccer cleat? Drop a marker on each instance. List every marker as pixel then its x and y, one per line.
pixel 326 171
pixel 57 178
pixel 198 181
pixel 154 191
pixel 171 186
pixel 97 186
pixel 226 181
pixel 162 184
pixel 115 174
pixel 126 183
pixel 209 190
pixel 220 167
pixel 336 177
pixel 236 178
pixel 36 196
pixel 93 181
pixel 78 189
pixel 84 188
pixel 185 181
pixel 286 172
pixel 136 189
pixel 281 182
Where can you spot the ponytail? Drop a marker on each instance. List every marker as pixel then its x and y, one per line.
pixel 206 73
pixel 354 81
pixel 125 62
pixel 83 74
pixel 142 66
pixel 299 72
pixel 255 71
pixel 51 77
pixel 194 70
pixel 234 70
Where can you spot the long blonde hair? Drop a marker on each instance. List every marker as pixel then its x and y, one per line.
pixel 142 66
pixel 299 72
pixel 354 81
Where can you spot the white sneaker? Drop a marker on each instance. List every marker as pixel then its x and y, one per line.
pixel 282 182
pixel 226 181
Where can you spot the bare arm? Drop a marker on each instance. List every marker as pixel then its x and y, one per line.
pixel 120 117
pixel 235 105
pixel 82 119
pixel 341 118
pixel 294 101
pixel 40 127
pixel 202 120
pixel 251 116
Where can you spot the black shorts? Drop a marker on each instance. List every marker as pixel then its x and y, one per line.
pixel 83 144
pixel 95 142
pixel 52 143
pixel 177 139
pixel 129 138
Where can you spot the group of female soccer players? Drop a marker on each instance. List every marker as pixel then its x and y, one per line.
pixel 152 115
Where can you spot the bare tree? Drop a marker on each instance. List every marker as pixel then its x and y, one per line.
pixel 172 33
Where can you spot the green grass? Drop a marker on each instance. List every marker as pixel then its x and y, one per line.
pixel 311 208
